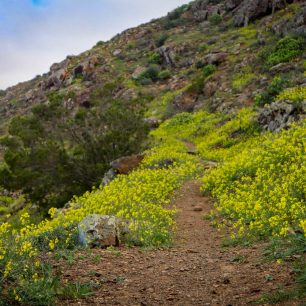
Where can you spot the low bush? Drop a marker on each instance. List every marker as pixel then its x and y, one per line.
pixel 154 58
pixel 164 74
pixel 242 79
pixel 285 50
pixel 215 19
pixel 161 39
pixel 209 70
pixel 149 75
pixel 269 95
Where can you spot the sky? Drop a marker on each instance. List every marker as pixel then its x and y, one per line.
pixel 34 34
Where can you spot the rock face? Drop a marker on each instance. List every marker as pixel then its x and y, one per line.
pixel 101 231
pixel 280 114
pixel 249 10
pixel 204 9
pixel 167 55
pixel 86 69
pixel 126 164
pixel 294 26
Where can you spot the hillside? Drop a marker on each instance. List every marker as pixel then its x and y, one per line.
pixel 193 120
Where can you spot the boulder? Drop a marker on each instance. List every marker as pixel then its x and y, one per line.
pixel 167 56
pixel 215 58
pixel 98 231
pixel 126 164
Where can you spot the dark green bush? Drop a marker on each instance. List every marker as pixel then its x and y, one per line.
pixel 273 89
pixel 215 19
pixel 203 47
pixel 161 39
pixel 177 13
pixel 285 50
pixel 165 74
pixel 175 18
pixel 148 76
pixel 53 153
pixel 154 58
pixel 209 70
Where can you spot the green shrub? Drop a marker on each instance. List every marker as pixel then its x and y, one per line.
pixel 154 58
pixel 52 154
pixel 215 19
pixel 274 88
pixel 149 75
pixel 77 290
pixel 209 70
pixel 100 43
pixel 285 50
pixel 177 13
pixel 165 74
pixel 203 47
pixel 174 18
pixel 198 82
pixel 161 39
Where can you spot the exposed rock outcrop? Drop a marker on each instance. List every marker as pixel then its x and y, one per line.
pixel 97 231
pixel 126 164
pixel 249 10
pixel 280 114
pixel 167 55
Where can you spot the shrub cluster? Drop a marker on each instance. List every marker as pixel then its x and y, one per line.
pixel 285 50
pixel 269 95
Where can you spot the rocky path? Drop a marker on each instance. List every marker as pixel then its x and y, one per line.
pixel 196 271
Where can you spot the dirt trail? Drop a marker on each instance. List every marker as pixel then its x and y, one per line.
pixel 196 271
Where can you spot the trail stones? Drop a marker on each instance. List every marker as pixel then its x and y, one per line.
pixel 101 231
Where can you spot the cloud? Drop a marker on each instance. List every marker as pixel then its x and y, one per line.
pixel 36 33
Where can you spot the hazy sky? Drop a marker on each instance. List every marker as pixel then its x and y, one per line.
pixel 36 33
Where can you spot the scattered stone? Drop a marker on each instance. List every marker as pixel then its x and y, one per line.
pixel 198 208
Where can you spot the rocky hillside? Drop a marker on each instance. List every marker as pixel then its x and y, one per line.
pixel 168 54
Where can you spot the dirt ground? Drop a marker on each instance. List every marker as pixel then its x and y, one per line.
pixel 196 271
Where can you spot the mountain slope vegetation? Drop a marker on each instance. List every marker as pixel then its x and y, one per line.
pixel 221 87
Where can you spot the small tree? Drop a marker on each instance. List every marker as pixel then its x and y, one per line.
pixel 53 154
